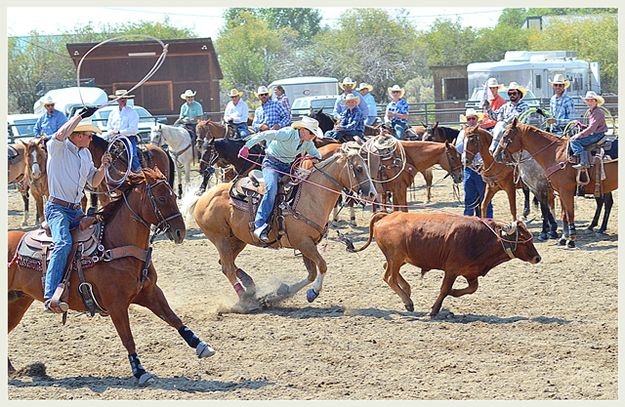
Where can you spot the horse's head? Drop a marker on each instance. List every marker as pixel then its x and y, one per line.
pixel 509 144
pixel 36 157
pixel 433 133
pixel 209 155
pixel 326 123
pixel 156 134
pixel 357 177
pixel 475 139
pixel 454 162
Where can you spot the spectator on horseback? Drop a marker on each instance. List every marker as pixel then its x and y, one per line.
pixel 124 121
pixel 50 121
pixel 282 98
pixel 397 111
pixel 473 183
pixel 351 122
pixel 593 132
pixel 191 112
pixel 495 101
pixel 270 115
pixel 348 89
pixel 504 115
pixel 283 146
pixel 236 113
pixel 372 109
pixel 69 168
pixel 561 105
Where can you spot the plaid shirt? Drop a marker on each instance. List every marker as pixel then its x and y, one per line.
pixel 271 113
pixel 508 111
pixel 353 120
pixel 400 107
pixel 562 109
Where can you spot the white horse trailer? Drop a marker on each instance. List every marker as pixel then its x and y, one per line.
pixel 307 86
pixel 534 70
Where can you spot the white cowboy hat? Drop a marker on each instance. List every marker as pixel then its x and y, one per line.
pixel 347 82
pixel 559 78
pixel 262 90
pixel 187 94
pixel 119 93
pixel 364 85
pixel 235 92
pixel 86 125
pixel 310 124
pixel 396 88
pixel 516 86
pixel 48 101
pixel 492 82
pixel 471 112
pixel 593 95
pixel 350 97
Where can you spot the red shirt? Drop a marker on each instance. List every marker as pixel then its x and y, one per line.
pixel 496 103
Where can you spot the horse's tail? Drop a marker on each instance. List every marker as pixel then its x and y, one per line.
pixel 187 206
pixel 372 222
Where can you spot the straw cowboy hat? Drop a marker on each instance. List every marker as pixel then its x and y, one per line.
pixel 559 78
pixel 119 93
pixel 492 82
pixel 347 82
pixel 471 112
pixel 351 97
pixel 310 124
pixel 592 95
pixel 86 126
pixel 396 88
pixel 188 94
pixel 364 85
pixel 235 92
pixel 262 90
pixel 48 101
pixel 516 86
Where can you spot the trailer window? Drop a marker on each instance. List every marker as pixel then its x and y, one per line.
pixel 539 81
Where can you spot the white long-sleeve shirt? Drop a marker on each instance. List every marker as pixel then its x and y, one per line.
pixel 238 113
pixel 126 121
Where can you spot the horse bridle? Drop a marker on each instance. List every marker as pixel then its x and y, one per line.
pixel 449 160
pixel 351 174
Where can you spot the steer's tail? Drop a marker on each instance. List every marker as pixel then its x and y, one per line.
pixel 372 222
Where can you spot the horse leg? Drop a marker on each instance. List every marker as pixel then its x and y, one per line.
pixel 526 201
pixel 94 200
pixel 309 250
pixel 26 200
pixel 352 213
pixel 446 286
pixel 39 205
pixel 228 252
pixel 180 167
pixel 335 211
pixel 489 192
pixel 187 174
pixel 400 200
pixel 609 201
pixel 595 219
pixel 429 177
pixel 17 307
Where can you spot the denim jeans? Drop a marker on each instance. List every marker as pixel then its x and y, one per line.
pixel 578 145
pixel 61 220
pixel 474 187
pixel 271 178
pixel 242 129
pixel 136 164
pixel 338 134
pixel 399 128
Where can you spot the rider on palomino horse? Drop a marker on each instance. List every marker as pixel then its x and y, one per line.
pixel 191 112
pixel 236 114
pixel 282 148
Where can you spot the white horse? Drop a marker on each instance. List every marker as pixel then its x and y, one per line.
pixel 180 149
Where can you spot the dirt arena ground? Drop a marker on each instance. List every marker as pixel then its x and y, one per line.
pixel 529 332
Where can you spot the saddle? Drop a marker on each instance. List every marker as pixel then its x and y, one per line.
pixel 597 158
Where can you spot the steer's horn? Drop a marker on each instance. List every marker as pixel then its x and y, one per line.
pixel 510 228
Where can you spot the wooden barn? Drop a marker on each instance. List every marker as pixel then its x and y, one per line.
pixel 450 91
pixel 190 64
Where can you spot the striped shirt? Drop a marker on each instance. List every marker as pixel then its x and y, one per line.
pixel 562 109
pixel 284 101
pixel 400 107
pixel 353 119
pixel 270 113
pixel 508 111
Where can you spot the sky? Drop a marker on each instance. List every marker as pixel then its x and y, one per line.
pixel 204 21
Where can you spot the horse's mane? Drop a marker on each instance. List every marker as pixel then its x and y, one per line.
pixel 536 130
pixel 99 142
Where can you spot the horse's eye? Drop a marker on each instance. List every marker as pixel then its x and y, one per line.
pixel 359 169
pixel 161 199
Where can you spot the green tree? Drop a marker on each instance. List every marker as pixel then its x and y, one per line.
pixel 513 17
pixel 448 43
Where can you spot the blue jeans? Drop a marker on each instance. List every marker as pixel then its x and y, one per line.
pixel 242 129
pixel 271 178
pixel 61 220
pixel 399 128
pixel 578 145
pixel 136 164
pixel 338 134
pixel 474 187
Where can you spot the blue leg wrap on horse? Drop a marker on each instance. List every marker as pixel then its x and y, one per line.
pixel 190 338
pixel 135 364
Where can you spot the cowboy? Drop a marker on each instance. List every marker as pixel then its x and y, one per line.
pixel 270 114
pixel 504 115
pixel 593 132
pixel 495 101
pixel 236 113
pixel 348 88
pixel 351 122
pixel 69 168
pixel 124 121
pixel 561 105
pixel 397 111
pixel 282 98
pixel 473 183
pixel 282 148
pixel 191 112
pixel 50 121
pixel 365 90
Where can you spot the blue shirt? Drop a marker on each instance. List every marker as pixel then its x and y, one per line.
pixel 49 124
pixel 339 105
pixel 400 107
pixel 270 113
pixel 371 106
pixel 284 144
pixel 353 120
pixel 191 111
pixel 562 109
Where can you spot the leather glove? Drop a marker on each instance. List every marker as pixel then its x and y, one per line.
pixel 244 152
pixel 87 111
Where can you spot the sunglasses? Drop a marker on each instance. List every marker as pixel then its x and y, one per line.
pixel 263 94
pixel 471 118
pixel 558 84
pixel 513 93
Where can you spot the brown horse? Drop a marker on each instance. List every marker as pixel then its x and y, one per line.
pixel 228 227
pixel 550 152
pixel 35 172
pixel 117 281
pixel 17 170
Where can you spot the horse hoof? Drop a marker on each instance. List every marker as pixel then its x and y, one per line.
pixel 562 241
pixel 409 307
pixel 145 379
pixel 203 350
pixel 570 244
pixel 311 294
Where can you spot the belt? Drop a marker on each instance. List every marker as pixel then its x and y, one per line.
pixel 63 203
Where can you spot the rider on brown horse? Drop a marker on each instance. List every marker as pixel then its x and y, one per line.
pixel 236 113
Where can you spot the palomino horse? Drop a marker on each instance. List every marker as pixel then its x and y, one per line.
pixel 117 281
pixel 17 170
pixel 228 227
pixel 35 172
pixel 180 149
pixel 550 152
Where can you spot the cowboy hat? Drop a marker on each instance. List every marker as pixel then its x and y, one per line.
pixel 516 86
pixel 347 82
pixel 310 124
pixel 262 90
pixel 471 112
pixel 396 88
pixel 187 94
pixel 48 101
pixel 235 92
pixel 593 95
pixel 559 78
pixel 86 126
pixel 364 85
pixel 119 93
pixel 492 82
pixel 351 97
